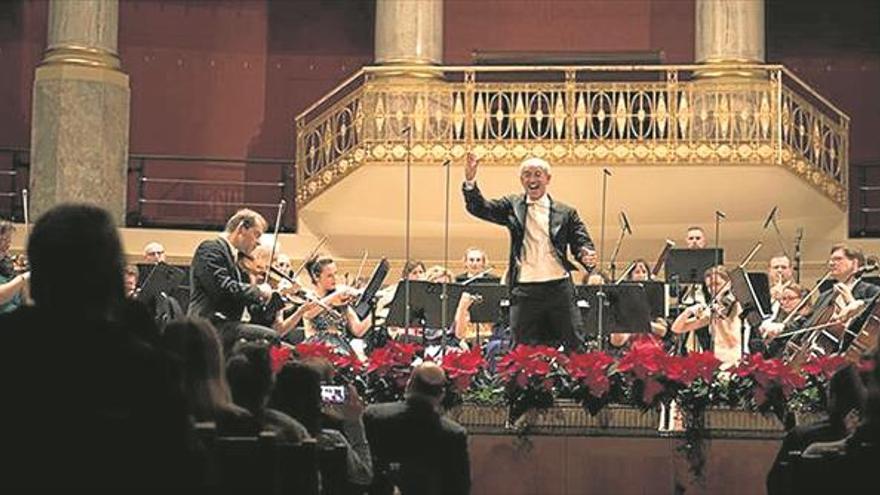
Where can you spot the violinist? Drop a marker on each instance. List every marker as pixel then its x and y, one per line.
pixel 334 322
pixel 269 315
pixel 716 326
pixel 219 289
pixel 154 253
pixel 13 285
pixel 789 299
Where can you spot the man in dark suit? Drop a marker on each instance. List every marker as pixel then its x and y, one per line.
pixel 219 291
pixel 413 446
pixel 542 231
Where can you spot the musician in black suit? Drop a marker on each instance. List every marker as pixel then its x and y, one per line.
pixel 542 231
pixel 219 291
pixel 413 446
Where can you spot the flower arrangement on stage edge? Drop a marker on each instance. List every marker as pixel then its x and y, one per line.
pixel 763 385
pixel 462 369
pixel 591 383
pixel 388 371
pixel 531 375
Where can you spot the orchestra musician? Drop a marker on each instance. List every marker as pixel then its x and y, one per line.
pixel 640 272
pixel 716 326
pixel 476 265
pixel 334 321
pixel 843 303
pixel 789 299
pixel 219 289
pixel 542 232
pixel 780 275
pixel 13 285
pixel 272 315
pixel 154 253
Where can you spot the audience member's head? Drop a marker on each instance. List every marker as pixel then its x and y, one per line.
pixel 76 262
pixel 297 393
pixel 130 280
pixel 249 372
pixel 195 343
pixel 846 394
pixel 154 252
pixel 427 383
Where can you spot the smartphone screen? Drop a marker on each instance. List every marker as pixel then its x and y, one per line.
pixel 333 394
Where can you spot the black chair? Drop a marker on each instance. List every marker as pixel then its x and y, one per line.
pixel 298 468
pixel 333 466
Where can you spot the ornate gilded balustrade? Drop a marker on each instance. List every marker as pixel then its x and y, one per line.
pixel 575 116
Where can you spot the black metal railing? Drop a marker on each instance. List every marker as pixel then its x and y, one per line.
pixel 177 191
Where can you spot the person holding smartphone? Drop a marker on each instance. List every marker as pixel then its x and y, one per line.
pixel 299 394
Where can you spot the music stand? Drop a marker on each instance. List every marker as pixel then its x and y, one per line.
pixel 761 285
pixel 627 311
pixel 365 302
pixel 687 266
pixel 426 306
pixel 494 298
pixel 657 300
pixel 162 279
pixel 744 292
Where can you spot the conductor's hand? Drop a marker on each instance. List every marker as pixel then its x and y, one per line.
pixel 588 257
pixel 470 167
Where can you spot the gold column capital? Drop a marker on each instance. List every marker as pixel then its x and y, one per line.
pixel 73 54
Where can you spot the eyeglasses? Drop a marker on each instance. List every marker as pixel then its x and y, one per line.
pixel 155 253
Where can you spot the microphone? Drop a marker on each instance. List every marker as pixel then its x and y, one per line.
pixel 446 162
pixel 771 217
pixel 606 172
pixel 720 214
pixel 624 223
pixel 405 129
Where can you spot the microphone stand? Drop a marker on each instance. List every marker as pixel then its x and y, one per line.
pixel 444 296
pixel 613 261
pixel 601 297
pixel 718 216
pixel 406 255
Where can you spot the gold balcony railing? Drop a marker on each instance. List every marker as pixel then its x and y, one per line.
pixel 575 116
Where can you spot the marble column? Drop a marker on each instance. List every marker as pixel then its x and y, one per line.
pixel 80 123
pixel 409 32
pixel 729 31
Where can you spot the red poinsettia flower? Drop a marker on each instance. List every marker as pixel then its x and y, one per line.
pixel 461 366
pixel 686 369
pixel 591 369
pixel 526 361
pixel 278 356
pixel 768 373
pixel 824 366
pixel 393 355
pixel 643 361
pixel 318 350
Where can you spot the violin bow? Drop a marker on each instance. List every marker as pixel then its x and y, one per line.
pixel 306 259
pixel 360 269
pixel 281 205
